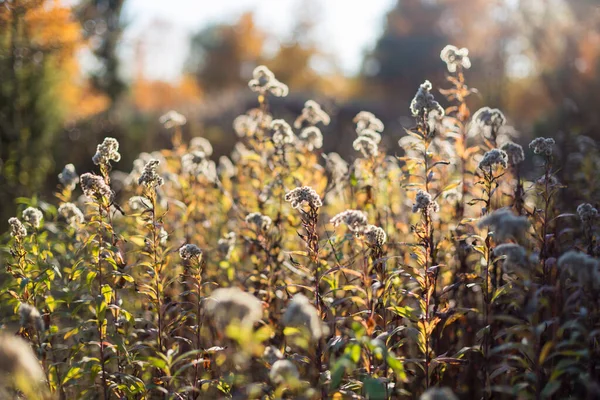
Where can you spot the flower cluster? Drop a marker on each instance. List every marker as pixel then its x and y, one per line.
pixel 150 177
pixel 262 222
pixel 226 167
pixel 172 119
pixel 375 235
pixel 282 133
pixel 542 145
pixel 492 158
pixel 587 213
pixel 312 138
pixel 424 202
pixel 355 220
pixel 68 177
pixel 229 305
pixel 305 194
pixel 489 117
pixel 70 213
pixel 249 124
pixel 455 57
pixel 366 146
pixel 107 151
pixel 505 224
pixel 33 216
pixel 194 163
pixel 514 152
pixel 424 103
pixel 301 313
pixel 201 144
pixel 514 255
pixel 17 229
pixel 95 186
pixel 312 114
pixel 367 120
pixel 190 252
pixel 263 81
pixel 582 267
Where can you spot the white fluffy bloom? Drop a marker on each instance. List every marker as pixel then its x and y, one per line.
pixel 263 81
pixel 68 177
pixel 454 57
pixel 303 195
pixel 424 102
pixel 107 151
pixel 33 216
pixel 172 119
pixel 227 305
pixel 301 313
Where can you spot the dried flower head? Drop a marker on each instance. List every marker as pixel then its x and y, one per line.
pixel 190 252
pixel 366 146
pixel 301 195
pixel 492 158
pixel 371 134
pixel 17 229
pixel 201 144
pixel 107 151
pixel 424 202
pixel 582 267
pixel 505 225
pixel 542 145
pixel 514 255
pixel 226 244
pixel 312 114
pixel 228 305
pixel 436 393
pixel 33 216
pixel 263 81
pixel 172 119
pixel 250 123
pixel 226 168
pixel 489 117
pixel 356 220
pixel 262 222
pixel 95 186
pixel 31 317
pixel 282 133
pixel 18 361
pixel 587 213
pixel 283 371
pixel 194 163
pixel 150 177
pixel 68 177
pixel 71 213
pixel 423 103
pixel 454 57
pixel 375 235
pixel 312 138
pixel 301 313
pixel 366 120
pixel 515 153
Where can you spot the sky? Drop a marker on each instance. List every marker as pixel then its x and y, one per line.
pixel 345 28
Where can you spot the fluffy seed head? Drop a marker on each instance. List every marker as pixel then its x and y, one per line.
pixel 371 134
pixel 515 153
pixel 272 354
pixel 201 144
pixel 107 151
pixel 71 213
pixel 336 166
pixel 31 317
pixel 424 202
pixel 489 117
pixel 505 224
pixel 375 235
pixel 438 394
pixel 226 167
pixel 282 133
pixel 68 177
pixel 312 114
pixel 172 119
pixel 312 138
pixel 232 304
pixel 366 146
pixel 492 158
pixel 366 120
pixel 194 163
pixel 262 222
pixel 454 57
pixel 581 267
pixel 33 216
pixel 514 254
pixel 301 313
pixel 150 177
pixel 263 81
pixel 190 252
pixel 542 145
pixel 17 229
pixel 424 102
pixel 95 186
pixel 587 213
pixel 301 195
pixel 355 220
pixel 283 371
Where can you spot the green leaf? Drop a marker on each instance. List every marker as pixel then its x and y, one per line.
pixel 374 389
